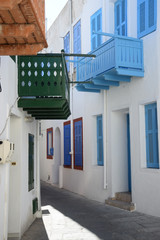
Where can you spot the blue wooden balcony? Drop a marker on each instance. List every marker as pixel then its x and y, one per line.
pixel 117 60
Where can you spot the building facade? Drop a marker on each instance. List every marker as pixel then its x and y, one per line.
pixel 19 172
pixel 110 143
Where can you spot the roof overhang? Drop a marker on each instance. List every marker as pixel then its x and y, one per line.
pixel 22 27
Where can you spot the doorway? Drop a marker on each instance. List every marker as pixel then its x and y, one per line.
pixel 57 156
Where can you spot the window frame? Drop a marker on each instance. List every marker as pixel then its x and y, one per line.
pixel 154 132
pixel 49 152
pixel 148 29
pixel 76 40
pixel 66 43
pixel 30 162
pixel 122 23
pixel 74 143
pixel 96 36
pixel 100 162
pixel 65 165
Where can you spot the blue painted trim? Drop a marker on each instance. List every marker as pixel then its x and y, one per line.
pixel 99 140
pixel 92 86
pixel 119 4
pixel 95 37
pixel 67 48
pixel 147 29
pixel 50 151
pixel 81 88
pixel 152 152
pixel 117 78
pixel 77 40
pixel 105 82
pixel 67 144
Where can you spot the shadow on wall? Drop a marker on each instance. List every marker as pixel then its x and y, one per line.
pixel 57 157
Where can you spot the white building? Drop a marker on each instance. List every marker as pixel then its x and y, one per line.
pixel 121 97
pixel 19 174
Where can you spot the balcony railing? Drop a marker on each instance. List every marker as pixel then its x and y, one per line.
pixel 43 86
pixel 119 58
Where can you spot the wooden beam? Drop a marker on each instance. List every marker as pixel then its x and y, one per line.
pixel 16 30
pixel 8 4
pixel 21 49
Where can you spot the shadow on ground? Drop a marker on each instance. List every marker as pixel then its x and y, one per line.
pixel 105 222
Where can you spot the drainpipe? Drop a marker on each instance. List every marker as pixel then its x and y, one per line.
pixel 105 138
pixel 71 76
pixel 105 109
pixel 39 213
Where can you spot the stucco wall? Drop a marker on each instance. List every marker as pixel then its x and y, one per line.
pixel 127 98
pixel 16 201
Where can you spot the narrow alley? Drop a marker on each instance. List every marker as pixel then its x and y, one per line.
pixel 72 217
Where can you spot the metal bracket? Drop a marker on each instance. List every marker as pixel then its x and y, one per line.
pixel 80 82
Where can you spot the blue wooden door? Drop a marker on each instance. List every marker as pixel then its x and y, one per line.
pixel 129 154
pixel 67 144
pixel 78 144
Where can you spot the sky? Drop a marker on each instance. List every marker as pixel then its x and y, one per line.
pixel 53 8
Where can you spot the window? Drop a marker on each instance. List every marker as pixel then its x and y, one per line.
pixel 147 17
pixel 67 47
pixel 78 143
pixel 50 143
pixel 121 17
pixel 67 144
pixel 96 25
pixel 99 140
pixel 77 39
pixel 151 136
pixel 30 162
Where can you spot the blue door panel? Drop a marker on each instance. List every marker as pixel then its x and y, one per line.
pixel 67 145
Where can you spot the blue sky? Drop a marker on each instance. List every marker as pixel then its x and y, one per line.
pixel 53 8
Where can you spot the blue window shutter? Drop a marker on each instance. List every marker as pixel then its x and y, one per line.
pixel 142 17
pixel 151 136
pixel 78 144
pixel 93 36
pixel 96 25
pixel 146 17
pixel 67 47
pixel 67 144
pixel 121 17
pixel 77 39
pixel 99 140
pixel 99 28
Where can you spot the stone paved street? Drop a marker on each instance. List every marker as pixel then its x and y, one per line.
pixel 68 216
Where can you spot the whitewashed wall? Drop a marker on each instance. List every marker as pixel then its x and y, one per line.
pixel 132 97
pixel 127 98
pixel 16 201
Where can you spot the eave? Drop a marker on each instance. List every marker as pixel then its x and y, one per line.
pixel 22 27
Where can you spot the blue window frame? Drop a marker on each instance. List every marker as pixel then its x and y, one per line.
pixel 67 47
pixel 78 143
pixel 67 145
pixel 50 143
pixel 99 140
pixel 146 17
pixel 77 39
pixel 151 136
pixel 96 25
pixel 121 17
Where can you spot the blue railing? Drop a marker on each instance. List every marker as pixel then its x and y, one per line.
pixel 118 52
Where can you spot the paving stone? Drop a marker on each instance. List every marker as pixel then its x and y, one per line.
pixel 68 216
